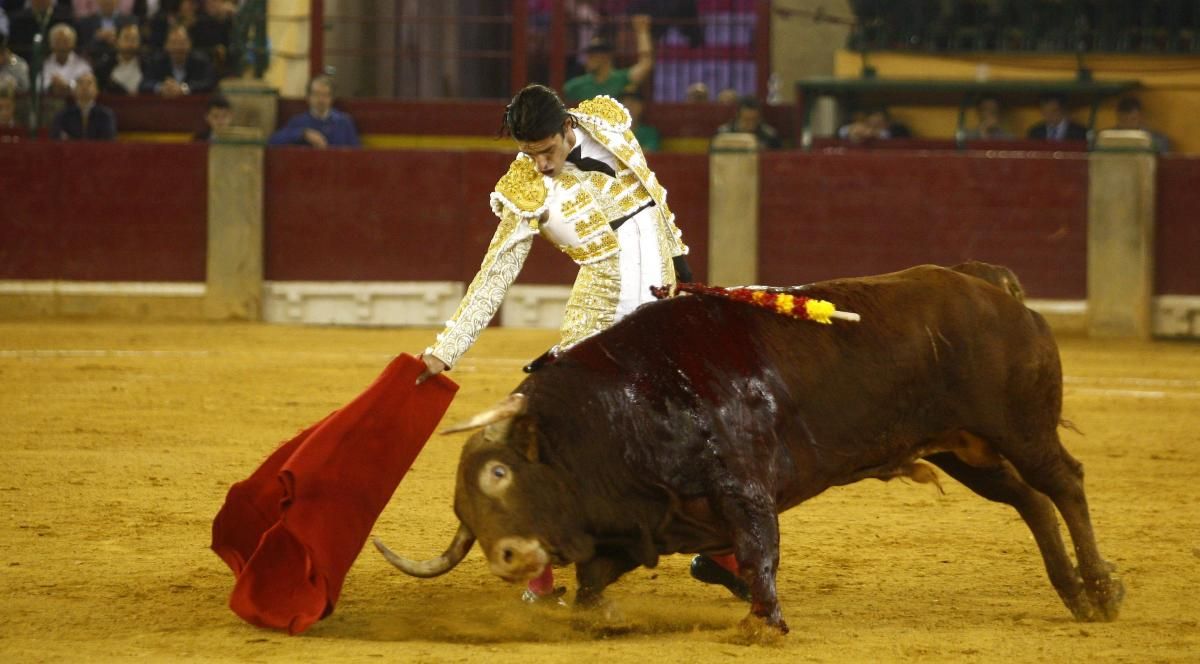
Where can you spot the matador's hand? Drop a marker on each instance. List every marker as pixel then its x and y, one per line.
pixel 433 367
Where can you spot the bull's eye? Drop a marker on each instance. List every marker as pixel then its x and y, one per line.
pixel 495 478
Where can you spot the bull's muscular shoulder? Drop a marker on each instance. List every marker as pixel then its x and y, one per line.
pixel 604 113
pixel 522 190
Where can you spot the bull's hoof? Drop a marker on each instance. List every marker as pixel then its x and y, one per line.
pixel 1107 600
pixel 758 629
pixel 552 598
pixel 707 570
pixel 602 618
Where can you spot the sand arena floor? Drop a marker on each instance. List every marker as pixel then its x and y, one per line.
pixel 121 440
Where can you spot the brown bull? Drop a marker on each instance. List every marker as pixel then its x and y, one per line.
pixel 690 425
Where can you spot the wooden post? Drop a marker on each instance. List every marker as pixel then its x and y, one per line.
pixel 1120 254
pixel 733 210
pixel 234 275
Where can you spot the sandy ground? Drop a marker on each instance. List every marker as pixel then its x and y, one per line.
pixel 121 440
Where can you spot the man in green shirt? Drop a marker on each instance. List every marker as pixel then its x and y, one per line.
pixel 601 78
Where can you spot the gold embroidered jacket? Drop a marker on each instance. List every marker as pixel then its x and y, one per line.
pixel 584 201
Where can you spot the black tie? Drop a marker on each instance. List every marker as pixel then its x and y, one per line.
pixel 588 164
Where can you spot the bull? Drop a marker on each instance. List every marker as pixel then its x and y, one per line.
pixel 691 424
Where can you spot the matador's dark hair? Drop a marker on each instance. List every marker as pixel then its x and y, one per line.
pixel 535 113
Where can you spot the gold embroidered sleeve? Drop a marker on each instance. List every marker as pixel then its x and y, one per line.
pixel 505 256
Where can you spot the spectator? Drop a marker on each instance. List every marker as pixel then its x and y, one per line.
pixel 218 116
pixel 180 70
pixel 14 70
pixel 85 119
pixel 321 126
pixel 647 136
pixel 98 31
pixel 1056 125
pixel 1129 116
pixel 989 127
pixel 728 96
pixel 213 30
pixel 697 92
pixel 35 19
pixel 63 66
pixel 748 120
pixel 602 78
pixel 171 14
pixel 8 106
pixel 123 72
pixel 3 22
pixel 874 124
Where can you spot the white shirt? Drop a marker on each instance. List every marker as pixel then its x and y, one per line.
pixel 128 75
pixel 74 67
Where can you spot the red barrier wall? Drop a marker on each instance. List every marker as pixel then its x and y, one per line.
pixel 839 213
pixel 1177 234
pixel 419 215
pixel 103 211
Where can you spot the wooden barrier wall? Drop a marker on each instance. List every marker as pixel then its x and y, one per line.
pixel 103 212
pixel 1177 241
pixel 401 215
pixel 841 213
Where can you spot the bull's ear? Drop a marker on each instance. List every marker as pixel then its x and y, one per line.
pixel 527 441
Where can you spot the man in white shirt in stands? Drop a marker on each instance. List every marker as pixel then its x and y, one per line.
pixel 64 66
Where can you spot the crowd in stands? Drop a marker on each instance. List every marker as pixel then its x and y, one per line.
pixel 130 47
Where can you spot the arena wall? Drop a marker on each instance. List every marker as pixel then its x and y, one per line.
pixel 130 219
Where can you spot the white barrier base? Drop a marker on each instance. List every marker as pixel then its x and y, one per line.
pixel 1177 316
pixel 368 303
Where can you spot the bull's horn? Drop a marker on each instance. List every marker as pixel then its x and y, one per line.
pixel 425 569
pixel 512 406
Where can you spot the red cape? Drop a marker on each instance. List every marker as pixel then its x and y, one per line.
pixel 292 529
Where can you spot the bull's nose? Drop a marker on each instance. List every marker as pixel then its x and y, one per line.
pixel 518 558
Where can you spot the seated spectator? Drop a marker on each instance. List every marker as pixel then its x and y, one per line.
pixel 35 19
pixel 218 116
pixel 988 111
pixel 748 120
pixel 874 124
pixel 321 126
pixel 601 78
pixel 1056 125
pixel 171 14
pixel 13 68
pixel 123 71
pixel 647 136
pixel 98 31
pixel 1129 116
pixel 697 92
pixel 180 70
pixel 63 66
pixel 728 96
pixel 213 31
pixel 8 106
pixel 85 119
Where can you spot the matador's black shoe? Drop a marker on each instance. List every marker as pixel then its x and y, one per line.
pixel 707 570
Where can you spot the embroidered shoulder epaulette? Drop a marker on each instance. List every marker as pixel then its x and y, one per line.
pixel 605 113
pixel 521 190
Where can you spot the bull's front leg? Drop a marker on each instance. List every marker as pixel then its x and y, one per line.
pixel 596 574
pixel 755 527
pixel 593 576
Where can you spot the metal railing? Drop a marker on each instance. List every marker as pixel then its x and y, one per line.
pixel 422 49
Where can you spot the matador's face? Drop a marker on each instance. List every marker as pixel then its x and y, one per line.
pixel 550 153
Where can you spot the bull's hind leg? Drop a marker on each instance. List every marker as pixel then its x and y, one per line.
pixel 1001 484
pixel 1061 478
